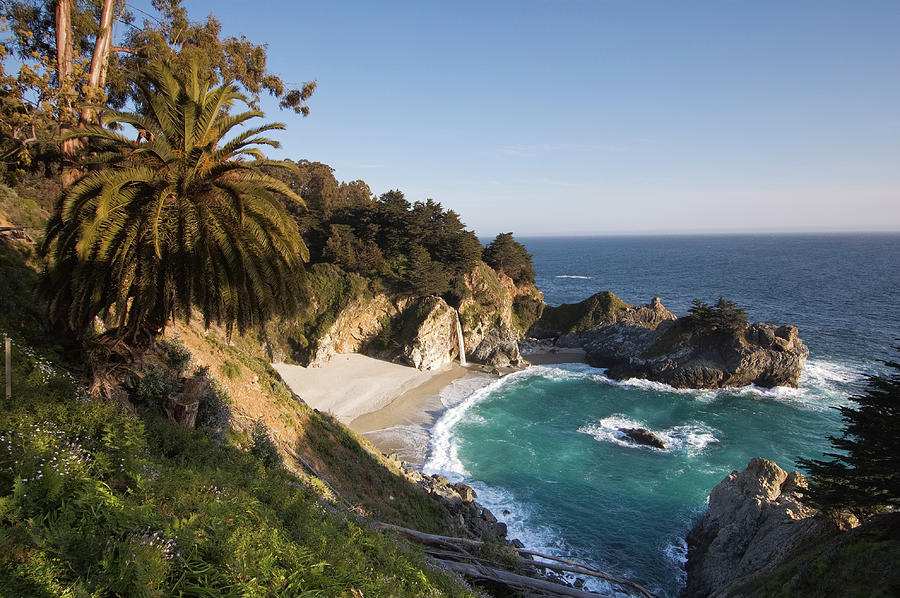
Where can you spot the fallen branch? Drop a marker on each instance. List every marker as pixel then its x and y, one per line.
pixel 568 566
pixel 512 580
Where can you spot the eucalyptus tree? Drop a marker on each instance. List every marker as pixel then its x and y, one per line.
pixel 181 218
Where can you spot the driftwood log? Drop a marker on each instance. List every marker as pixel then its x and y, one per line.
pixel 565 566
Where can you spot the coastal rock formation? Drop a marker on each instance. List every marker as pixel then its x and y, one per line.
pixel 495 312
pixel 357 324
pixel 459 498
pixel 754 520
pixel 576 324
pixel 649 342
pixel 763 354
pixel 429 336
pixel 643 436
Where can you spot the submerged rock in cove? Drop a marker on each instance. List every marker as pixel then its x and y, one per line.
pixel 643 436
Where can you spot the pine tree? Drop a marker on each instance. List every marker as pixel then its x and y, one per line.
pixel 865 476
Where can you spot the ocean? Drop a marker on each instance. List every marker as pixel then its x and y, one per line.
pixel 542 449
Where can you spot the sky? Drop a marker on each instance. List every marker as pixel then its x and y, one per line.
pixel 599 117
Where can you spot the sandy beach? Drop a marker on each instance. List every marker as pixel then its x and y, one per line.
pixel 393 405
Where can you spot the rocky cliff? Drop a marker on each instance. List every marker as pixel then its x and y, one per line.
pixel 649 342
pixel 494 313
pixel 754 521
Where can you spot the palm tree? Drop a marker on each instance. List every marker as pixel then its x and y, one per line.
pixel 183 217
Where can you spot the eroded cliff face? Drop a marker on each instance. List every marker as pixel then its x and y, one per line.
pixel 754 521
pixel 493 310
pixel 763 354
pixel 495 313
pixel 357 324
pixel 428 337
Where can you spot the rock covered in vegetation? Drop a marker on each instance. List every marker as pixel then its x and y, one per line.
pixel 574 324
pixel 493 309
pixel 754 520
pixel 712 348
pixel 495 312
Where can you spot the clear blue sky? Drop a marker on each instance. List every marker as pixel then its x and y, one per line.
pixel 581 117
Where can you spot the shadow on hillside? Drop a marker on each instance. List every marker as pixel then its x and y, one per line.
pixel 373 484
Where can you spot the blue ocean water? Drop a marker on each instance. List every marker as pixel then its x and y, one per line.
pixel 542 448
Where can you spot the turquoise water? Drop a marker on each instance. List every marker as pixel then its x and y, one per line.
pixel 542 447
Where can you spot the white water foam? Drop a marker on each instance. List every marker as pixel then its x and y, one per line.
pixel 443 455
pixel 691 438
pixel 574 276
pixel 523 523
pixel 822 385
pixel 676 551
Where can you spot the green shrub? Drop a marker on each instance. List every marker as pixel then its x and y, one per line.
pixel 214 413
pixel 155 385
pixel 178 356
pixel 231 369
pixel 723 317
pixel 262 446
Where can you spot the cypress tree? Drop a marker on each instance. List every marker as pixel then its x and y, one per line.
pixel 865 476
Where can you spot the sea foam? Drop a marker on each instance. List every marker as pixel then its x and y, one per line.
pixel 690 439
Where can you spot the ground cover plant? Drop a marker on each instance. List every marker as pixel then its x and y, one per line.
pixel 96 501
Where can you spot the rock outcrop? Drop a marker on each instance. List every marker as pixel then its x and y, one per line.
pixel 495 312
pixel 754 520
pixel 643 436
pixel 428 337
pixel 357 324
pixel 649 342
pixel 763 354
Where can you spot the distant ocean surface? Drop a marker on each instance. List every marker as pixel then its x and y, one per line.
pixel 541 446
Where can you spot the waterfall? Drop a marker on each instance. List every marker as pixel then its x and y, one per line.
pixel 459 341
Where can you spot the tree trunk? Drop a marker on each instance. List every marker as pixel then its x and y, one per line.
pixel 97 81
pixel 67 113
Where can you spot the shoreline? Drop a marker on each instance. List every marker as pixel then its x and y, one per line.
pixel 396 406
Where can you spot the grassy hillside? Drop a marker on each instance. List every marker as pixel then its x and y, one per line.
pixel 100 499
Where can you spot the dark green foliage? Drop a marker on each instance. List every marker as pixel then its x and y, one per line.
pixel 182 218
pixel 723 317
pixel 154 386
pixel 507 255
pixel 214 413
pixel 864 476
pixel 177 356
pixel 231 369
pixel 262 446
pixel 423 275
pixel 527 310
pixel 574 317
